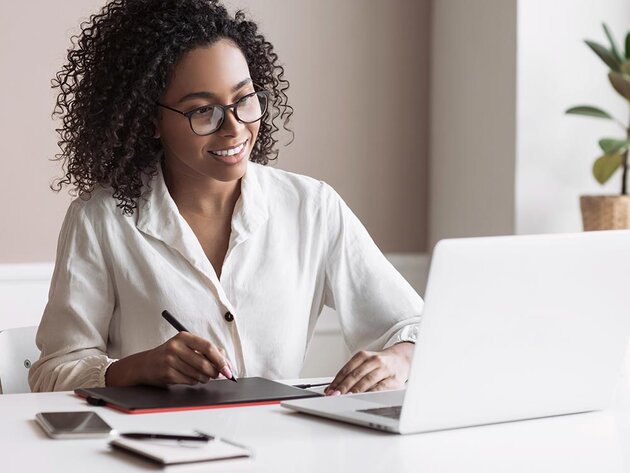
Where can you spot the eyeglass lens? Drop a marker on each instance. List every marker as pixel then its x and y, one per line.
pixel 248 110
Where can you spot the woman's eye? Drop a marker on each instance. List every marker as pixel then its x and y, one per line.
pixel 202 110
pixel 247 98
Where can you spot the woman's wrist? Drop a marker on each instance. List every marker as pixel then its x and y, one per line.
pixel 126 371
pixel 404 349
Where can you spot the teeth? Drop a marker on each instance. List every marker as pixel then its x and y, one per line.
pixel 229 152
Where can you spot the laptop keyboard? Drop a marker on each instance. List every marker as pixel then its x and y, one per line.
pixel 393 412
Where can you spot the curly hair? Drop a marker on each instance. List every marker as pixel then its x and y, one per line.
pixel 119 66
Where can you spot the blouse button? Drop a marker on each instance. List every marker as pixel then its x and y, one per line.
pixel 229 317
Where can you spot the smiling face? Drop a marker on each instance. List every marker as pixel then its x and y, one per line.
pixel 216 74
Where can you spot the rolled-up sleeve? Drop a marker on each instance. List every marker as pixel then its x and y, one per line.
pixel 377 307
pixel 73 332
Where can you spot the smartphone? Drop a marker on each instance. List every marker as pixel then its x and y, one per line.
pixel 77 424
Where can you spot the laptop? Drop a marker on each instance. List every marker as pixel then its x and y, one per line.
pixel 514 327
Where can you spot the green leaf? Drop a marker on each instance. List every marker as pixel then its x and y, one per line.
pixel 613 146
pixel 621 83
pixel 605 166
pixel 605 55
pixel 613 44
pixel 628 46
pixel 589 111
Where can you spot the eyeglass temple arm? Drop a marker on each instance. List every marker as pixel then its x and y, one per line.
pixel 170 108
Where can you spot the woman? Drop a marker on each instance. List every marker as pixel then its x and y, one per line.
pixel 169 112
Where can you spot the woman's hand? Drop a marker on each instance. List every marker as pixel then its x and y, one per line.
pixel 374 371
pixel 184 359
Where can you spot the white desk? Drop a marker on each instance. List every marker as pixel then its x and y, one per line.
pixel 284 441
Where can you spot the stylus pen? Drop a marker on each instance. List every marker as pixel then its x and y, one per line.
pixel 305 386
pixel 170 318
pixel 146 436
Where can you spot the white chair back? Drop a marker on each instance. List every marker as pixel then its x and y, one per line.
pixel 17 352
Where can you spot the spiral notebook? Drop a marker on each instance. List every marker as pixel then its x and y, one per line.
pixel 172 453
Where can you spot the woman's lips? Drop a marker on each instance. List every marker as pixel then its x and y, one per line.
pixel 233 159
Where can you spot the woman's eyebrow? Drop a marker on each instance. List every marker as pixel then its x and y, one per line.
pixel 210 95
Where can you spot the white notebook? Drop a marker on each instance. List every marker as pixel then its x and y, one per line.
pixel 171 453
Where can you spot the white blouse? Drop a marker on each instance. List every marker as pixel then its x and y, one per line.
pixel 294 246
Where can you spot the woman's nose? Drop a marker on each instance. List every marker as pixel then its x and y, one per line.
pixel 230 125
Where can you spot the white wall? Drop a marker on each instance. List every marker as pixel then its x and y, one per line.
pixel 473 116
pixel 23 293
pixel 504 156
pixel 556 70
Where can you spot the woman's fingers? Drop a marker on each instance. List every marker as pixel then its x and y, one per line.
pixel 384 385
pixel 173 368
pixel 198 363
pixel 185 359
pixel 360 365
pixel 163 366
pixel 209 351
pixel 369 380
pixel 374 371
pixel 179 372
pixel 354 362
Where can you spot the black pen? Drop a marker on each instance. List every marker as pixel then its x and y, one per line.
pixel 170 318
pixel 147 436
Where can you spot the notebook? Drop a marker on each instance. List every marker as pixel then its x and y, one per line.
pixel 214 394
pixel 171 453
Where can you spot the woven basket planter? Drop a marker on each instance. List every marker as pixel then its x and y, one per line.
pixel 605 212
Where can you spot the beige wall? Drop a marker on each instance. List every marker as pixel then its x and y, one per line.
pixel 33 39
pixel 473 118
pixel 359 85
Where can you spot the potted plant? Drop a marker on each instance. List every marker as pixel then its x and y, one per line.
pixel 606 212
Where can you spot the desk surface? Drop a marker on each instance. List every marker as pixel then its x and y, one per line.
pixel 284 441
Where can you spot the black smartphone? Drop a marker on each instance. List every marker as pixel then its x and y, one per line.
pixel 73 424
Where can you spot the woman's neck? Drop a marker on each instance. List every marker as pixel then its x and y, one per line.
pixel 202 196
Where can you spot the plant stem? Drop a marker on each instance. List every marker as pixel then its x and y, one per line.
pixel 624 163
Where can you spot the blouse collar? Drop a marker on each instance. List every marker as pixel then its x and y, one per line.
pixel 159 217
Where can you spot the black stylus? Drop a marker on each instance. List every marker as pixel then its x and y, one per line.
pixel 170 318
pixel 305 386
pixel 147 436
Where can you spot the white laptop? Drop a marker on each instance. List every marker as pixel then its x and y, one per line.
pixel 514 327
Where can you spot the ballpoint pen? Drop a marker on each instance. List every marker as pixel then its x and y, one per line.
pixel 177 325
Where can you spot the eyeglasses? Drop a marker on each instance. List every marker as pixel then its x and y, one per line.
pixel 209 118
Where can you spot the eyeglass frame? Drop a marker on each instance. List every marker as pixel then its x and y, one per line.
pixel 224 109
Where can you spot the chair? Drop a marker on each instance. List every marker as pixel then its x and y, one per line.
pixel 17 352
